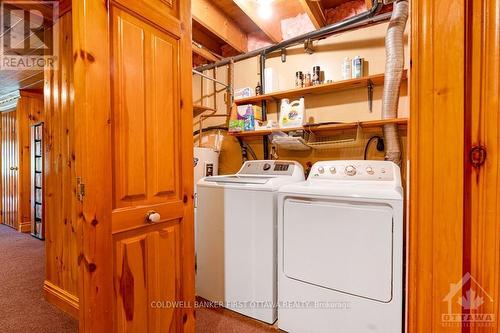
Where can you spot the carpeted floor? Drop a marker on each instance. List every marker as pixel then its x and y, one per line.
pixel 22 306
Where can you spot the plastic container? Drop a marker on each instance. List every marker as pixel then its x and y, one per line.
pixel 292 114
pixel 346 69
pixel 357 67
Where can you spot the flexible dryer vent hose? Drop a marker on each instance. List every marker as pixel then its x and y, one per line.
pixel 394 67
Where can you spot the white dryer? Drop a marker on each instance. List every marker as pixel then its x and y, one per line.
pixel 340 250
pixel 237 237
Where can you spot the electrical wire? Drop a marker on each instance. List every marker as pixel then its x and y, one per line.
pixel 369 142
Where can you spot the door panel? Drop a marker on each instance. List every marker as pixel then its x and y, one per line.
pixel 10 165
pixel 147 271
pixel 144 113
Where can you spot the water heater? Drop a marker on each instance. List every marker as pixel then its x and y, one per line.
pixel 206 163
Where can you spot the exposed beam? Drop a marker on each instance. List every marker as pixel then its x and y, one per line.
pixel 315 12
pixel 271 27
pixel 202 52
pixel 212 18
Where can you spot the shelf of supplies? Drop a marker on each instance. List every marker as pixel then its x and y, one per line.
pixel 371 80
pixel 327 127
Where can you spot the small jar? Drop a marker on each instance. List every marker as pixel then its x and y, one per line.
pixel 316 77
pixel 307 80
pixel 299 79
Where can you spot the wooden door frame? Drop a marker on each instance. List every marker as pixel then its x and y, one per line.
pixel 436 136
pixel 92 106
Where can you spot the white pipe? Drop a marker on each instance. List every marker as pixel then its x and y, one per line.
pixel 394 67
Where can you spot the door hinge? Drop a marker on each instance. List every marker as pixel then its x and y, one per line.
pixel 80 189
pixel 477 156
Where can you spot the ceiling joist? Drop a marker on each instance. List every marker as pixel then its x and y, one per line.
pixel 271 27
pixel 315 12
pixel 213 19
pixel 206 54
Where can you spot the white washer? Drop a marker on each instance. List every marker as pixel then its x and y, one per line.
pixel 340 250
pixel 237 237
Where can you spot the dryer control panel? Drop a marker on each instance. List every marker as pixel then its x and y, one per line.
pixel 270 168
pixel 355 170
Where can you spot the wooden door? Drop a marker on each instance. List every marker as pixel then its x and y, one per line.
pixel 436 135
pixel 134 158
pixel 482 219
pixel 454 258
pixel 10 169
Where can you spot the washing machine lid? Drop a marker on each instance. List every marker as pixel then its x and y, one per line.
pixel 340 246
pixel 235 179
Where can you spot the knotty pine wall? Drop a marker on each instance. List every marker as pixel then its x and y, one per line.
pixel 29 112
pixel 344 106
pixel 61 268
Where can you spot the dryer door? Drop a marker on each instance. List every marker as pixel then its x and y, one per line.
pixel 340 245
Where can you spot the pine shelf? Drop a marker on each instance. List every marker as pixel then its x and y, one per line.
pixel 327 127
pixel 364 82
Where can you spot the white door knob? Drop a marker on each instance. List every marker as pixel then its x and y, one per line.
pixel 153 217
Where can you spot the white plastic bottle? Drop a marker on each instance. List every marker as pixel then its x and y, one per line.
pixel 346 69
pixel 357 67
pixel 292 114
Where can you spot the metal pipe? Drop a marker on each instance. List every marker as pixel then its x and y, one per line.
pixel 328 30
pixel 209 78
pixel 355 21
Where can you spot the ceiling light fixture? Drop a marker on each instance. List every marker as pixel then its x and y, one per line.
pixel 265 9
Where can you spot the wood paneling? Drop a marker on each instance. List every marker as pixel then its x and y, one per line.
pixel 484 193
pixel 61 223
pixel 30 111
pixel 92 100
pixel 436 134
pixel 10 169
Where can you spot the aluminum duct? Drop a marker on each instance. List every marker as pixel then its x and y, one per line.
pixel 394 46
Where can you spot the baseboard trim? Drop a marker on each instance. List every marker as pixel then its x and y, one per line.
pixel 61 298
pixel 24 227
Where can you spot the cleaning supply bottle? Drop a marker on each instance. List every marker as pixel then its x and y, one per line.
pixel 292 114
pixel 346 69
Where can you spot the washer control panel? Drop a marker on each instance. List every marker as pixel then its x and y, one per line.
pixel 271 168
pixel 354 170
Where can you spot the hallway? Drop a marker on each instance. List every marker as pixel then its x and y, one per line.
pixel 21 278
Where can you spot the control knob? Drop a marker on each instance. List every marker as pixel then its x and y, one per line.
pixel 321 170
pixel 350 170
pixel 267 166
pixel 369 170
pixel 333 170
